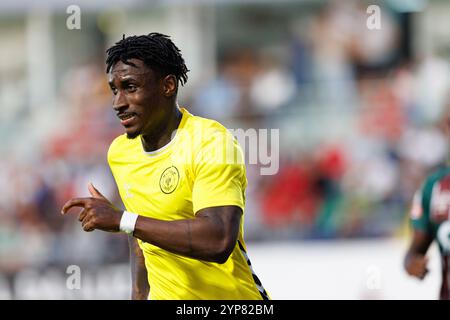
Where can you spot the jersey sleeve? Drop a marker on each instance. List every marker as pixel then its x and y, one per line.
pixel 219 173
pixel 114 150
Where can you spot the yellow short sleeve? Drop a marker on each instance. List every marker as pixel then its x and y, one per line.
pixel 219 173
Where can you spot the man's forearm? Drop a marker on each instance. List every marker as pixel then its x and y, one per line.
pixel 207 237
pixel 140 287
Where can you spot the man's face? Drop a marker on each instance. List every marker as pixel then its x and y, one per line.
pixel 137 97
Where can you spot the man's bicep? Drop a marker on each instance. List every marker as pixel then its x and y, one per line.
pixel 224 218
pixel 420 223
pixel 226 214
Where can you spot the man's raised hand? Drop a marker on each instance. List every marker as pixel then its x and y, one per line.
pixel 97 213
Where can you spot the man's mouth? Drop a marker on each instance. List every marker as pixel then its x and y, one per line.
pixel 126 118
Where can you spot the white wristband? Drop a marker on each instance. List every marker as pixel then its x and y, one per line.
pixel 128 221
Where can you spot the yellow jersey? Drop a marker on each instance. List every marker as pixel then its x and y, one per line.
pixel 202 166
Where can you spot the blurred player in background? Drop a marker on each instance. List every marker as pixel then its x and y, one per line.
pixel 184 202
pixel 430 221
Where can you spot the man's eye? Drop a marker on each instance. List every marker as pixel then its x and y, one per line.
pixel 131 88
pixel 114 91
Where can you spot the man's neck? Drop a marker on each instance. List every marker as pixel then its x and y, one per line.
pixel 152 142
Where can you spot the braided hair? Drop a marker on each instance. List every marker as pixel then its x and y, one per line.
pixel 156 50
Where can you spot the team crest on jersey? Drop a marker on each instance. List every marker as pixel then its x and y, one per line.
pixel 169 180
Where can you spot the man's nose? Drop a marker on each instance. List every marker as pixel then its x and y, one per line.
pixel 119 101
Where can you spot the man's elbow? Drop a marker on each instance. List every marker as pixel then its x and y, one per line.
pixel 223 251
pixel 221 257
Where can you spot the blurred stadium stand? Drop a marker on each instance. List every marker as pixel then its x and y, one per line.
pixel 359 113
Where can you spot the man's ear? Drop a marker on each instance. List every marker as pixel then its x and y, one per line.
pixel 170 85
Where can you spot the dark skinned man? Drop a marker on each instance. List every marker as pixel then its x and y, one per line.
pixel 181 178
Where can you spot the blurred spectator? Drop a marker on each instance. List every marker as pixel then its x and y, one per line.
pixel 273 86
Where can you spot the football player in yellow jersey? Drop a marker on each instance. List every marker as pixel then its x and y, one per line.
pixel 181 178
